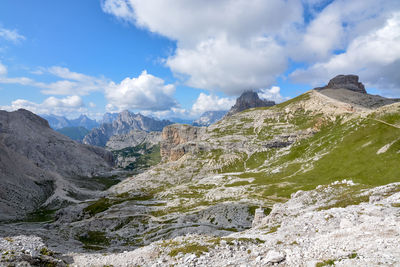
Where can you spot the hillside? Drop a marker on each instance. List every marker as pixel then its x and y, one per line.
pixel 39 165
pixel 323 170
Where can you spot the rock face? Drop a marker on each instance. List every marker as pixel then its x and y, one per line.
pixel 123 124
pixel 84 121
pixel 34 160
pixel 133 138
pixel 249 99
pixel 349 82
pixel 347 89
pixel 176 140
pixel 209 117
pixel 109 117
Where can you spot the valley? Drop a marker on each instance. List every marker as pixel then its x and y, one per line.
pixel 302 183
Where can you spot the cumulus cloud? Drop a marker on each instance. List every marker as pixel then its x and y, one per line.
pixel 206 102
pixel 145 92
pixel 274 93
pixel 232 52
pixel 234 45
pixel 218 64
pixel 11 35
pixel 337 25
pixel 375 56
pixel 51 105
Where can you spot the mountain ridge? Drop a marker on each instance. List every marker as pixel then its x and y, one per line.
pixel 123 124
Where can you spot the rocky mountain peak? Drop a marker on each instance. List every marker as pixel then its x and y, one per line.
pixel 349 82
pixel 32 117
pixel 125 122
pixel 249 99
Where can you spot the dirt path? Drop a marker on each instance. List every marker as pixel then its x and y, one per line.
pixel 384 122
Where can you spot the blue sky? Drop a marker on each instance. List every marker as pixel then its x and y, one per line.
pixel 179 58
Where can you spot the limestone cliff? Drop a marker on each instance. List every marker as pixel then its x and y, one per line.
pixel 176 140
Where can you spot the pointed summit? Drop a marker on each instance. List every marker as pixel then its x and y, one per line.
pixel 249 99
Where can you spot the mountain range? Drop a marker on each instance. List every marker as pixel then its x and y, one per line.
pixel 312 181
pixel 125 122
pixel 58 122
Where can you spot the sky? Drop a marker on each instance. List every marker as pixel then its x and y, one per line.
pixel 180 58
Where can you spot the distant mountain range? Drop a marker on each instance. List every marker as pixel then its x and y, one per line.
pixel 209 117
pixel 125 122
pixel 75 133
pixel 58 122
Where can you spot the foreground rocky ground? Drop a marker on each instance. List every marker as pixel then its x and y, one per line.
pixel 311 229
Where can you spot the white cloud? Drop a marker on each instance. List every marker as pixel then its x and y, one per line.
pixel 144 92
pixel 234 45
pixel 3 70
pixel 274 94
pixel 51 105
pixel 337 25
pixel 218 64
pixel 72 83
pixel 374 56
pixel 228 45
pixel 11 35
pixel 211 103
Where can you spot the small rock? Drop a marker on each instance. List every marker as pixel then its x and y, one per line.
pixel 274 257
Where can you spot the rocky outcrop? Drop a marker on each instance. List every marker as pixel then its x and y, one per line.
pixel 347 89
pixel 249 99
pixel 123 124
pixel 349 82
pixel 176 140
pixel 128 149
pixel 34 160
pixel 133 138
pixel 209 117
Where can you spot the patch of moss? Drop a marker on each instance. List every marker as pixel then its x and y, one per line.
pixel 191 248
pixel 238 183
pixel 46 252
pixel 146 156
pixel 99 206
pixel 325 263
pixel 41 215
pixel 94 240
pixel 273 229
